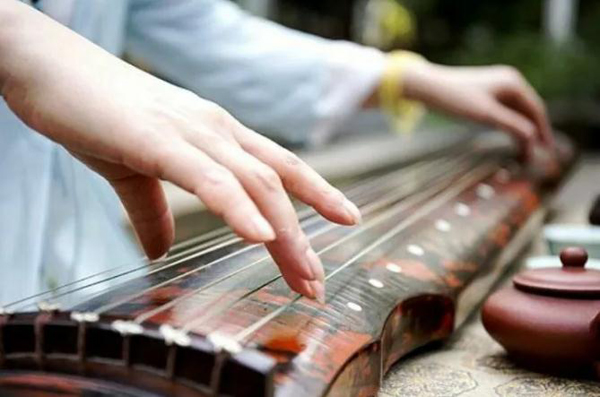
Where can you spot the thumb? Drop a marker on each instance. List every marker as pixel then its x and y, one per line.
pixel 148 210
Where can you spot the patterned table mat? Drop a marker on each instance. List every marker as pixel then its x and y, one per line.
pixel 471 364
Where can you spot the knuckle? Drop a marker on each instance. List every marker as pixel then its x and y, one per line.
pixel 292 236
pixel 218 114
pixel 211 107
pixel 267 178
pixel 292 159
pixel 511 74
pixel 156 164
pixel 217 179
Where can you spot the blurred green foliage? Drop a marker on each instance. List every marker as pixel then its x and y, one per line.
pixel 474 32
pixel 571 70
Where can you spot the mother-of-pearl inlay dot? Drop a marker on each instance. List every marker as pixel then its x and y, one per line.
pixel 415 249
pixel 462 209
pixel 485 191
pixel 375 283
pixel 392 267
pixel 442 225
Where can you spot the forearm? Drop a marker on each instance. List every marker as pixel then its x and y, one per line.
pixel 13 18
pixel 287 83
pixel 57 81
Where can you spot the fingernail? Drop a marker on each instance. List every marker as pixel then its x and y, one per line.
pixel 309 290
pixel 262 228
pixel 319 291
pixel 315 265
pixel 352 210
pixel 162 257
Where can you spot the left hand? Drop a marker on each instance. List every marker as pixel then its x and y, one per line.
pixel 494 95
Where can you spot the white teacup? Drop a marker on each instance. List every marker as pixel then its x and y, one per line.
pixel 559 236
pixel 537 262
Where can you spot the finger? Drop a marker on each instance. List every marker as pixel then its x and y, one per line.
pixel 297 283
pixel 523 98
pixel 310 288
pixel 146 205
pixel 521 128
pixel 291 249
pixel 219 190
pixel 300 179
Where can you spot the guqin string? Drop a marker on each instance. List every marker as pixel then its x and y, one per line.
pixel 365 210
pixel 218 239
pixel 454 191
pixel 393 211
pixel 129 298
pixel 199 246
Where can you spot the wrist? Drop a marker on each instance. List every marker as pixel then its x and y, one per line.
pixel 403 111
pixel 419 80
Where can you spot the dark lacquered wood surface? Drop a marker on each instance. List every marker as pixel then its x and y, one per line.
pixel 232 327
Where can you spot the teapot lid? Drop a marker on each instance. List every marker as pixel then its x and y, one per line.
pixel 572 280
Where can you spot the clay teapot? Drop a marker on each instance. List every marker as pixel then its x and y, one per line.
pixel 549 320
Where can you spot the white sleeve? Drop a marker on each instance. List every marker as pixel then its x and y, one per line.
pixel 289 85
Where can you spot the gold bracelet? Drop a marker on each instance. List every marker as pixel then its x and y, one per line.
pixel 404 114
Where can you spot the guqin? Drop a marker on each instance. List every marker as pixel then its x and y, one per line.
pixel 216 319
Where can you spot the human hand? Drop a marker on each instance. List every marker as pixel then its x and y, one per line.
pixel 493 95
pixel 135 130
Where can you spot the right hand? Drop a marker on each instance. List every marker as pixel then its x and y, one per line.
pixel 134 130
pixel 495 95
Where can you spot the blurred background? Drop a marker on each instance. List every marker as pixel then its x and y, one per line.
pixel 555 43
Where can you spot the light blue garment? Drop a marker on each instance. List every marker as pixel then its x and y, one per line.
pixel 58 220
pixel 218 60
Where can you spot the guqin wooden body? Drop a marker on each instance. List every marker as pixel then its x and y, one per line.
pixel 216 319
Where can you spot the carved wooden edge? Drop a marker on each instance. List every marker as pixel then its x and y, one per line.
pixel 364 373
pixel 52 342
pixel 415 322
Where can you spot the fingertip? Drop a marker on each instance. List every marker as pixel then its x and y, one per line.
pixel 262 229
pixel 254 229
pixel 156 237
pixel 341 211
pixel 352 211
pixel 155 255
pixel 318 288
pixel 156 249
pixel 300 286
pixel 339 216
pixel 296 259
